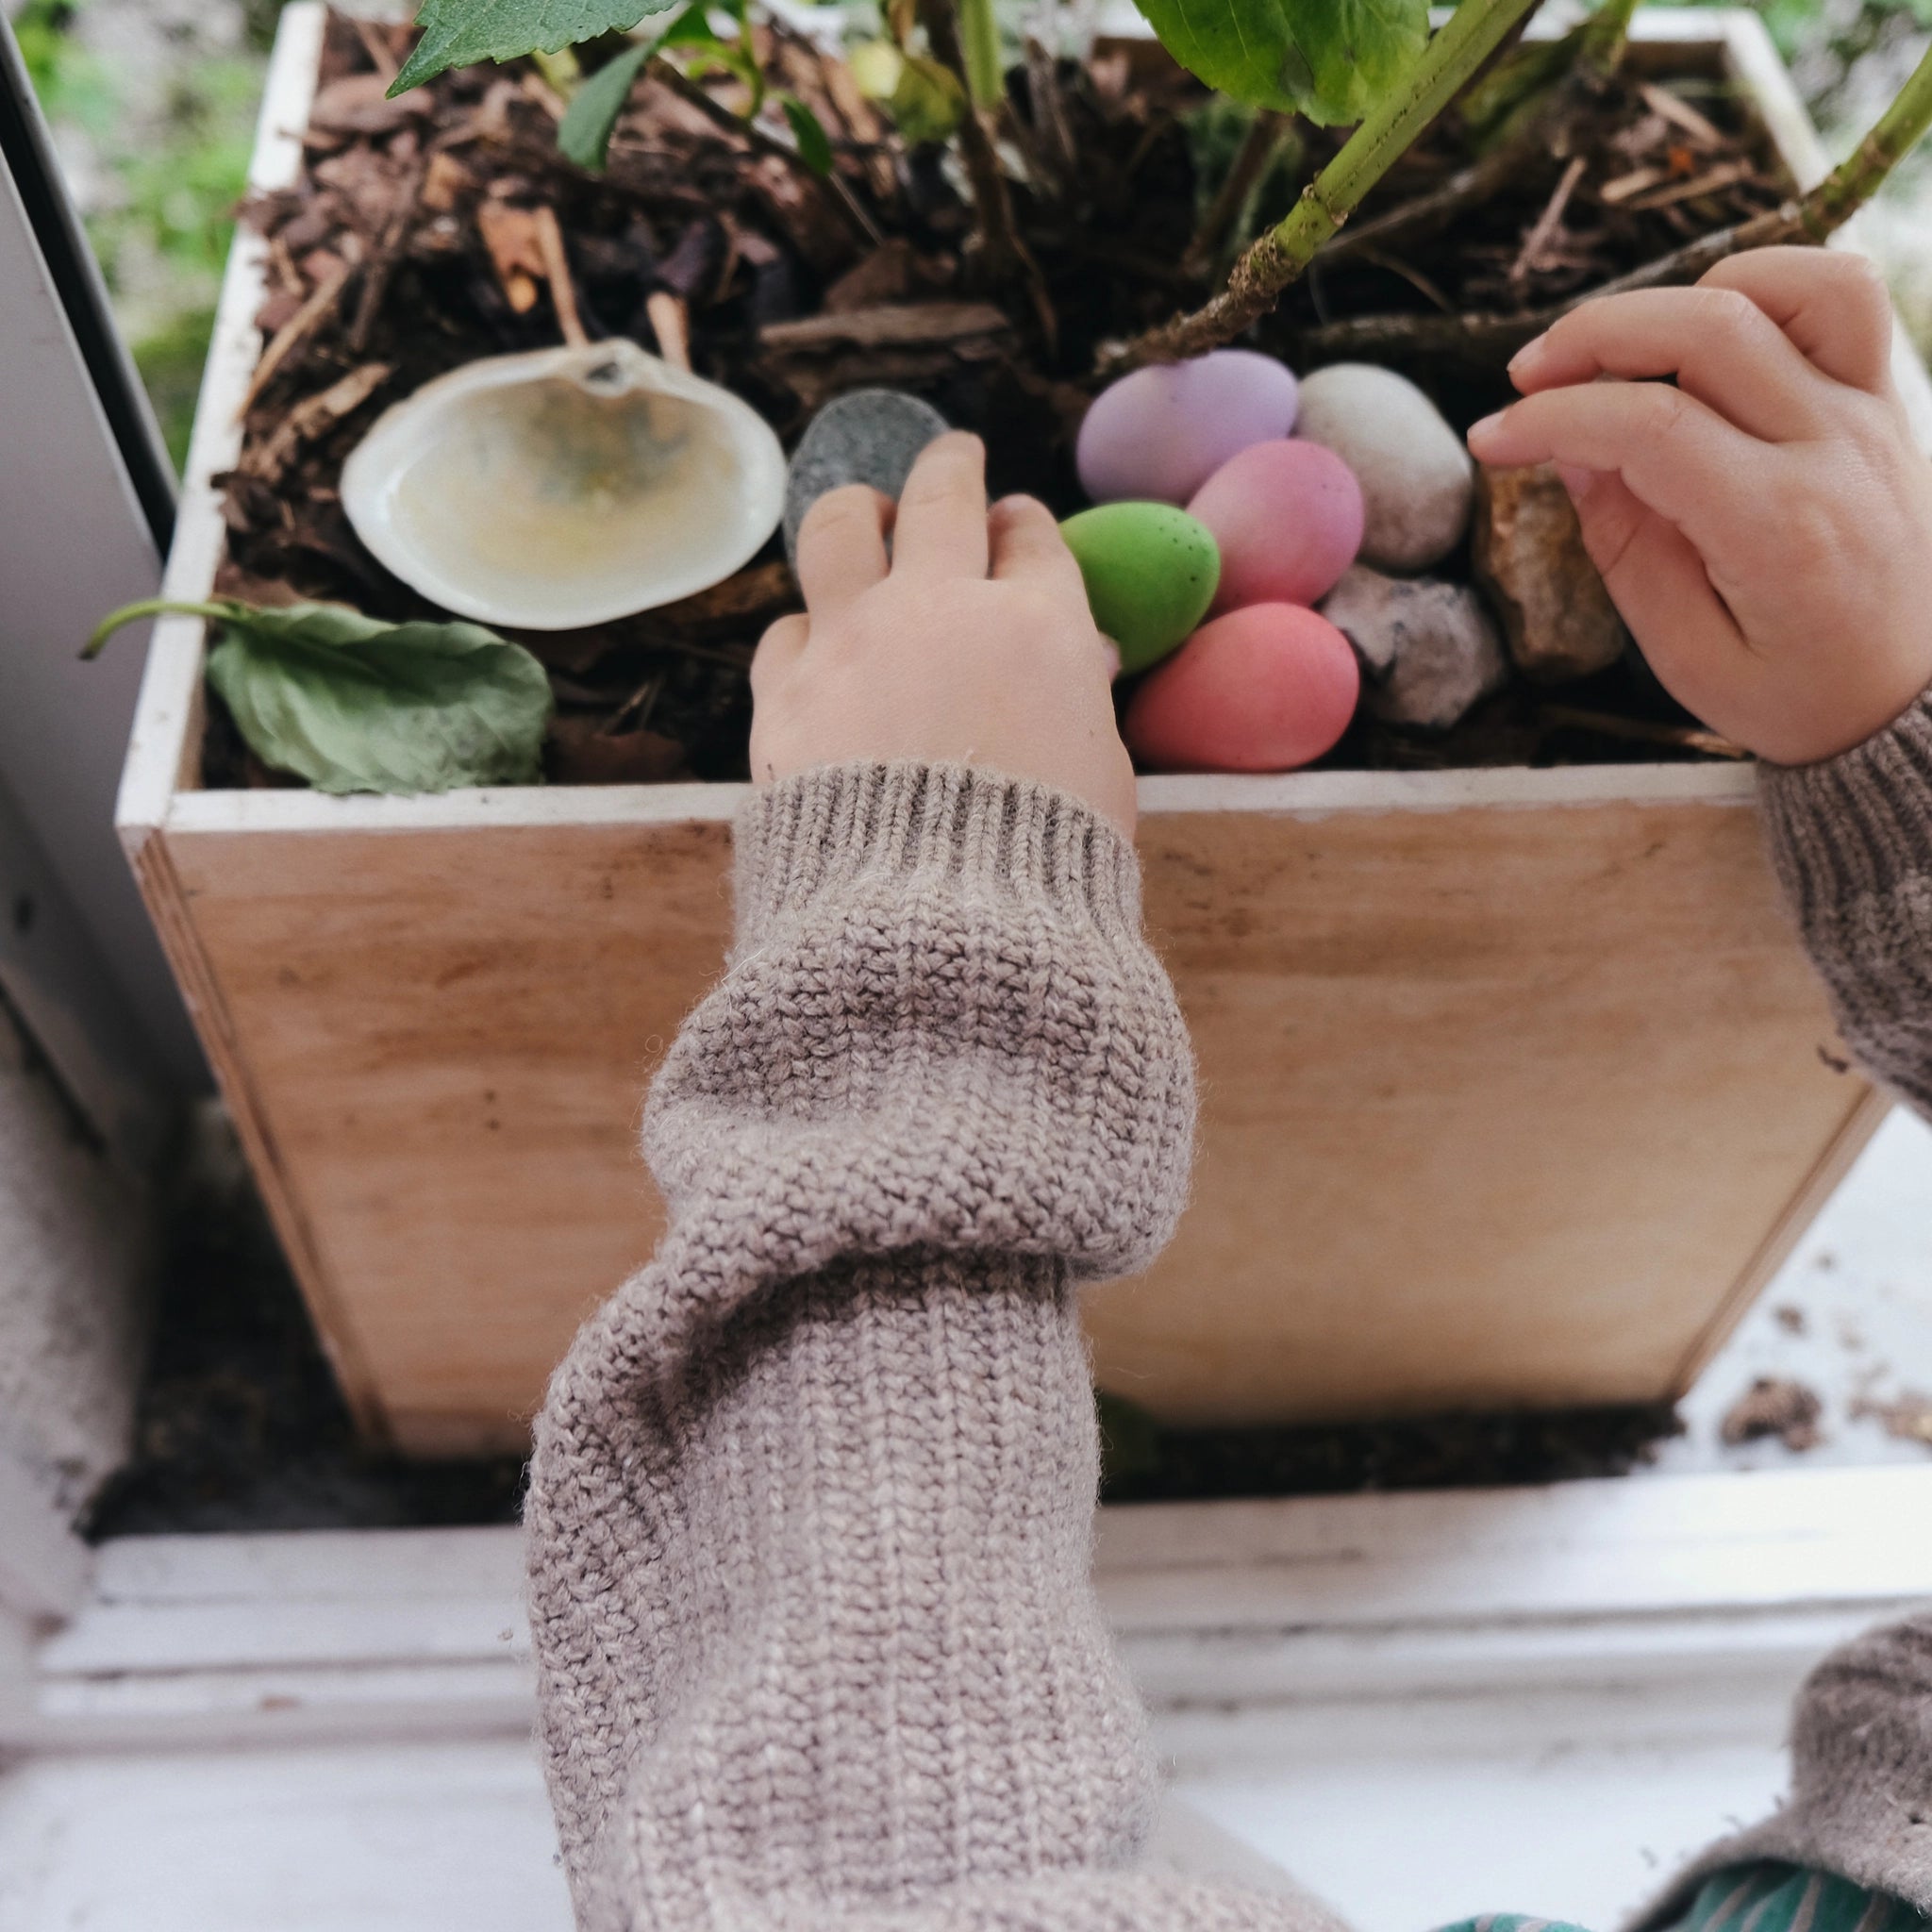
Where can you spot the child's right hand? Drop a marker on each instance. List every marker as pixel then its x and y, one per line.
pixel 1765 526
pixel 973 644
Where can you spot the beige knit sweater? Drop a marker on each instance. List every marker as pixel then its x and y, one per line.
pixel 810 1509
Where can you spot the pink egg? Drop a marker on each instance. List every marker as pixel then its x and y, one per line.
pixel 1289 519
pixel 1260 690
pixel 1159 434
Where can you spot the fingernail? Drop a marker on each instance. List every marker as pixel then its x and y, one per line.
pixel 1527 357
pixel 1578 481
pixel 1487 425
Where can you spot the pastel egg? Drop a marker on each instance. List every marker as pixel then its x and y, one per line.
pixel 1418 482
pixel 1260 690
pixel 1162 432
pixel 1150 571
pixel 1288 517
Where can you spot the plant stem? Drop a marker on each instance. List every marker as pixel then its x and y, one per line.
pixel 1814 218
pixel 979 48
pixel 154 606
pixel 1253 160
pixel 1280 256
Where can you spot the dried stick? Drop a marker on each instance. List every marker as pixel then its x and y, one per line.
pixel 1252 160
pixel 672 327
pixel 1814 218
pixel 563 293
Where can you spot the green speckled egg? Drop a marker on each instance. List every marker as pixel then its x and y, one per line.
pixel 1151 570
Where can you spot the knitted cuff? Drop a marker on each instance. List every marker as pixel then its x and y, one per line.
pixel 897 831
pixel 1860 1805
pixel 1852 840
pixel 942 1029
pixel 1854 827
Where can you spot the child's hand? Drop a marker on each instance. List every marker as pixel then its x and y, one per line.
pixel 975 646
pixel 1766 525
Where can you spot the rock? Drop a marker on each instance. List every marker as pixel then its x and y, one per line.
pixel 1287 516
pixel 1417 478
pixel 1159 434
pixel 1430 649
pixel 1528 553
pixel 1149 571
pixel 866 436
pixel 1264 689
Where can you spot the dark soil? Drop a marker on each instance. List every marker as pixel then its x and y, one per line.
pixel 415 217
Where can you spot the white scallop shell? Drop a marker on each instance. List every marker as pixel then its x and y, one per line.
pixel 565 488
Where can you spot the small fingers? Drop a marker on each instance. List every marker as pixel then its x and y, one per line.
pixel 778 650
pixel 1677 455
pixel 942 528
pixel 1719 344
pixel 842 547
pixel 1830 303
pixel 1026 544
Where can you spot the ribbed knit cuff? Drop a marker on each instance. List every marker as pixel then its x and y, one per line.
pixel 1860 1805
pixel 902 829
pixel 1854 826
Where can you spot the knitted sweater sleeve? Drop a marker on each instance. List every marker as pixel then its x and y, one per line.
pixel 1852 837
pixel 811 1506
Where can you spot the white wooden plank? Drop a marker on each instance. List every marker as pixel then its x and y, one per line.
pixel 164 744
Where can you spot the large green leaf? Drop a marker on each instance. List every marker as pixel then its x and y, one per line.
pixel 351 704
pixel 584 134
pixel 1330 60
pixel 456 32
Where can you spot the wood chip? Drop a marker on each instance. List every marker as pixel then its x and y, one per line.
pixel 297 328
pixel 1725 174
pixel 313 417
pixel 888 325
pixel 1624 186
pixel 358 104
pixel 1681 115
pixel 445 183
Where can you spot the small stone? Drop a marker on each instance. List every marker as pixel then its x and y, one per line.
pixel 1528 553
pixel 866 436
pixel 1416 477
pixel 1430 653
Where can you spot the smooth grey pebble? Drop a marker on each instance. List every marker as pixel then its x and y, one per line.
pixel 866 436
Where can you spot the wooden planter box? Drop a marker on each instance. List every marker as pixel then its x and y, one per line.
pixel 1516 1087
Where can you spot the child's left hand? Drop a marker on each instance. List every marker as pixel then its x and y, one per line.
pixel 1764 523
pixel 974 646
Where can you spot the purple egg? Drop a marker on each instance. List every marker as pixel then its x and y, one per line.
pixel 1159 434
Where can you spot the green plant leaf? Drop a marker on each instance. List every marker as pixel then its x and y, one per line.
pixel 457 32
pixel 814 145
pixel 927 103
pixel 583 136
pixel 353 703
pixel 1330 60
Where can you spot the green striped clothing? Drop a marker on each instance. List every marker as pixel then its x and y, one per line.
pixel 1763 1897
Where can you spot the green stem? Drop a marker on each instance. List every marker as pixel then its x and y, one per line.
pixel 1278 258
pixel 1856 179
pixel 979 46
pixel 1604 35
pixel 155 607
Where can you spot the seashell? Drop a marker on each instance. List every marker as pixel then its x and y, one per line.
pixel 565 488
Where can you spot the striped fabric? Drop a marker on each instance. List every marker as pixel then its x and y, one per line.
pixel 1756 1898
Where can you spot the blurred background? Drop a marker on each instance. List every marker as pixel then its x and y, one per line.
pixel 153 107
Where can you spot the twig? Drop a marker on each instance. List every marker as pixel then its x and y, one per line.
pixel 1814 218
pixel 303 323
pixel 1548 223
pixel 311 417
pixel 671 326
pixel 1252 160
pixel 1279 257
pixel 1640 730
pixel 563 293
pixel 766 143
pixel 375 47
pixel 382 258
